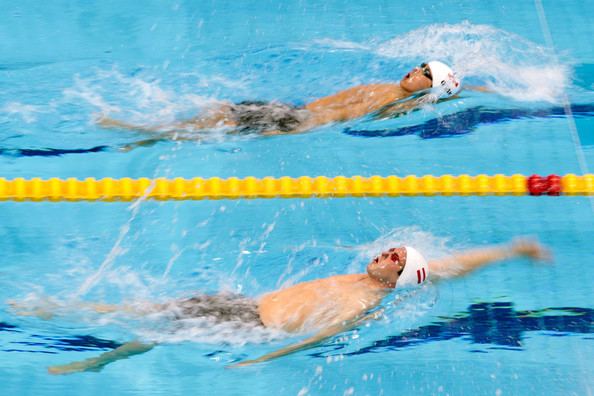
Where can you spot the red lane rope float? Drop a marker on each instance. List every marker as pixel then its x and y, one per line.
pixel 539 185
pixel 127 189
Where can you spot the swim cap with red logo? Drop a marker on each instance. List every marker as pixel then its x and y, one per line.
pixel 416 269
pixel 445 81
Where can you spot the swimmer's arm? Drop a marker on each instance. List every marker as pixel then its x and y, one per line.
pixel 169 136
pixel 403 107
pixel 313 340
pixel 97 363
pixel 462 263
pixel 396 109
pixel 111 123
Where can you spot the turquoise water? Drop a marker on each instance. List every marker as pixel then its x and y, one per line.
pixel 515 328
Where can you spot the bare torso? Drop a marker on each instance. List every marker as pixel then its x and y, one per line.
pixel 354 102
pixel 320 303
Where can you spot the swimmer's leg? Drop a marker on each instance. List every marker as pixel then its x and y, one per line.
pixel 97 363
pixel 50 309
pixel 219 116
pixel 139 310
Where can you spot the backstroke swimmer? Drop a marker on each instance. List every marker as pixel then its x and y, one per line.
pixel 324 307
pixel 428 82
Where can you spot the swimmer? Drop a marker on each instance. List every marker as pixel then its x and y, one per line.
pixel 324 307
pixel 430 81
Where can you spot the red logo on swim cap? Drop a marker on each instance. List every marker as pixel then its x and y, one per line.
pixel 421 276
pixel 453 79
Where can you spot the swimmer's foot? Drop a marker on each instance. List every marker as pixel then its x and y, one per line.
pixel 532 249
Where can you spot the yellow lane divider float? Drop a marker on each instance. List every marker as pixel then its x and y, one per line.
pixel 127 189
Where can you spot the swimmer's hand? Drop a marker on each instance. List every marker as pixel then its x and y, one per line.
pixel 97 363
pixel 532 249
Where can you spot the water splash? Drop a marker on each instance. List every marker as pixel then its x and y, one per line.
pixel 142 100
pixel 116 249
pixel 28 113
pixel 205 331
pixel 506 63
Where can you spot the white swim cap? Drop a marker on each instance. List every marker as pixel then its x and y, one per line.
pixel 445 81
pixel 416 270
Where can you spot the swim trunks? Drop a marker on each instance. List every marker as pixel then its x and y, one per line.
pixel 224 307
pixel 260 116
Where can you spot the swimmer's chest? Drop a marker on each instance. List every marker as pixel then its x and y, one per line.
pixel 318 303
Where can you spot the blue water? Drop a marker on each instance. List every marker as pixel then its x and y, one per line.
pixel 513 328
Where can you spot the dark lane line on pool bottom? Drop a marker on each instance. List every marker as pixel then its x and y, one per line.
pixel 495 323
pixel 48 152
pixel 468 120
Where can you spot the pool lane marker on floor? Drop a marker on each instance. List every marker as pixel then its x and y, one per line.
pixel 127 189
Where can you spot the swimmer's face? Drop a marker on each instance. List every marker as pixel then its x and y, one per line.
pixel 417 79
pixel 388 266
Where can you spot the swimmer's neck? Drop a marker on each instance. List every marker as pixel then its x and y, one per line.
pixel 376 284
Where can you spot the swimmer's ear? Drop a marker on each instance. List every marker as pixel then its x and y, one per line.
pixel 311 341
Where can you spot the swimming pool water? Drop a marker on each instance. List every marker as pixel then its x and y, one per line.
pixel 515 328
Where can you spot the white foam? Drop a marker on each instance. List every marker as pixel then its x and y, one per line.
pixel 84 90
pixel 27 112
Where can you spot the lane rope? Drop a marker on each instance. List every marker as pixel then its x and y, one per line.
pixel 127 189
